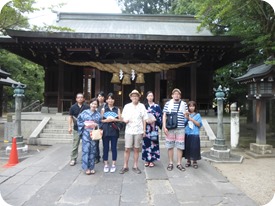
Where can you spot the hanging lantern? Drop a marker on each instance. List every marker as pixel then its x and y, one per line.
pixel 126 79
pixel 140 78
pixel 115 79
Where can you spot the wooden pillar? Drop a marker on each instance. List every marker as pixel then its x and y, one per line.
pixel 97 82
pixel 46 83
pixel 60 92
pixel 261 121
pixel 157 88
pixel 1 100
pixel 193 77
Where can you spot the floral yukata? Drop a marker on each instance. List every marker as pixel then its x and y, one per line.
pixel 150 149
pixel 88 145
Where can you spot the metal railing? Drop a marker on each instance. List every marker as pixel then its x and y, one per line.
pixel 34 106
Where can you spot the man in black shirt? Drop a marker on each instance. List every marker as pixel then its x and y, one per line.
pixel 75 110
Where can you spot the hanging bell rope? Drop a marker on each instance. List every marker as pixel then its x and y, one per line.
pixel 140 78
pixel 126 79
pixel 115 79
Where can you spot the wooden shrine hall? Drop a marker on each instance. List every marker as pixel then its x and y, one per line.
pixel 119 52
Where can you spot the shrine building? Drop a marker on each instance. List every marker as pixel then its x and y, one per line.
pixel 121 52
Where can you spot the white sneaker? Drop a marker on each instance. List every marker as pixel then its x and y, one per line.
pixel 106 168
pixel 113 168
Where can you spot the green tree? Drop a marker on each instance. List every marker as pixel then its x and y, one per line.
pixel 14 16
pixel 251 20
pixel 145 6
pixel 25 72
pixel 184 7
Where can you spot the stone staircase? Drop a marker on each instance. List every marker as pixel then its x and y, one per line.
pixel 205 142
pixel 56 132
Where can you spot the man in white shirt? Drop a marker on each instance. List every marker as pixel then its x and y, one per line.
pixel 134 115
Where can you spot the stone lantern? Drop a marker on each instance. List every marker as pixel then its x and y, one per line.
pixel 219 152
pixel 261 88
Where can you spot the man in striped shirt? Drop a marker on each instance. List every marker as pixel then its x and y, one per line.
pixel 175 137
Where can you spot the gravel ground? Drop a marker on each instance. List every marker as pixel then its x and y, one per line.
pixel 255 177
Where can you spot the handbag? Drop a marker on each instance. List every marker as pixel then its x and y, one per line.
pixel 172 119
pixel 117 125
pixel 154 136
pixel 96 134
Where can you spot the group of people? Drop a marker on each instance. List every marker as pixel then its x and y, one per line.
pixel 142 124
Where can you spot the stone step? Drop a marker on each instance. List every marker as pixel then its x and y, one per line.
pixel 56 136
pixel 51 141
pixel 204 137
pixel 203 133
pixel 206 143
pixel 58 122
pixel 54 126
pixel 56 131
pixel 60 117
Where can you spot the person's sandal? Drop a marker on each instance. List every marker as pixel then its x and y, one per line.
pixel 136 170
pixel 181 168
pixel 92 172
pixel 170 167
pixel 88 172
pixel 123 170
pixel 188 164
pixel 72 162
pixel 146 164
pixel 151 164
pixel 195 165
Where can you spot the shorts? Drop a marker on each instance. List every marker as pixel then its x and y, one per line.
pixel 133 140
pixel 175 138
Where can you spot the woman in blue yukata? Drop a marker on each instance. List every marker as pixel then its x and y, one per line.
pixel 150 148
pixel 87 121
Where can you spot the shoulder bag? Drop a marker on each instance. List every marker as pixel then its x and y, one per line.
pixel 172 119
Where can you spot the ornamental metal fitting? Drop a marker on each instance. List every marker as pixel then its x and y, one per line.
pixel 220 92
pixel 19 90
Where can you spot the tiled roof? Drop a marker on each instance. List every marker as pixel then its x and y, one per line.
pixel 4 74
pixel 256 71
pixel 8 81
pixel 132 24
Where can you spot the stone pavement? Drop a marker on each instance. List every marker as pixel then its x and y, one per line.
pixel 46 179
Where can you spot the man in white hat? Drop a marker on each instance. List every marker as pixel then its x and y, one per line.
pixel 134 114
pixel 174 128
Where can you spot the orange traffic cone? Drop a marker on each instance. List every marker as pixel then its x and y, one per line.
pixel 13 160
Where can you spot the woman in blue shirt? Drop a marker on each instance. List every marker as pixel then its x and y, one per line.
pixel 192 135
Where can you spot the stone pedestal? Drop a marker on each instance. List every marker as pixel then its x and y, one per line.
pixel 221 154
pixel 261 149
pixel 21 147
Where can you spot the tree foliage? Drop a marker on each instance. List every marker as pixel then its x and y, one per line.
pixel 25 72
pixel 13 14
pixel 251 20
pixel 145 6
